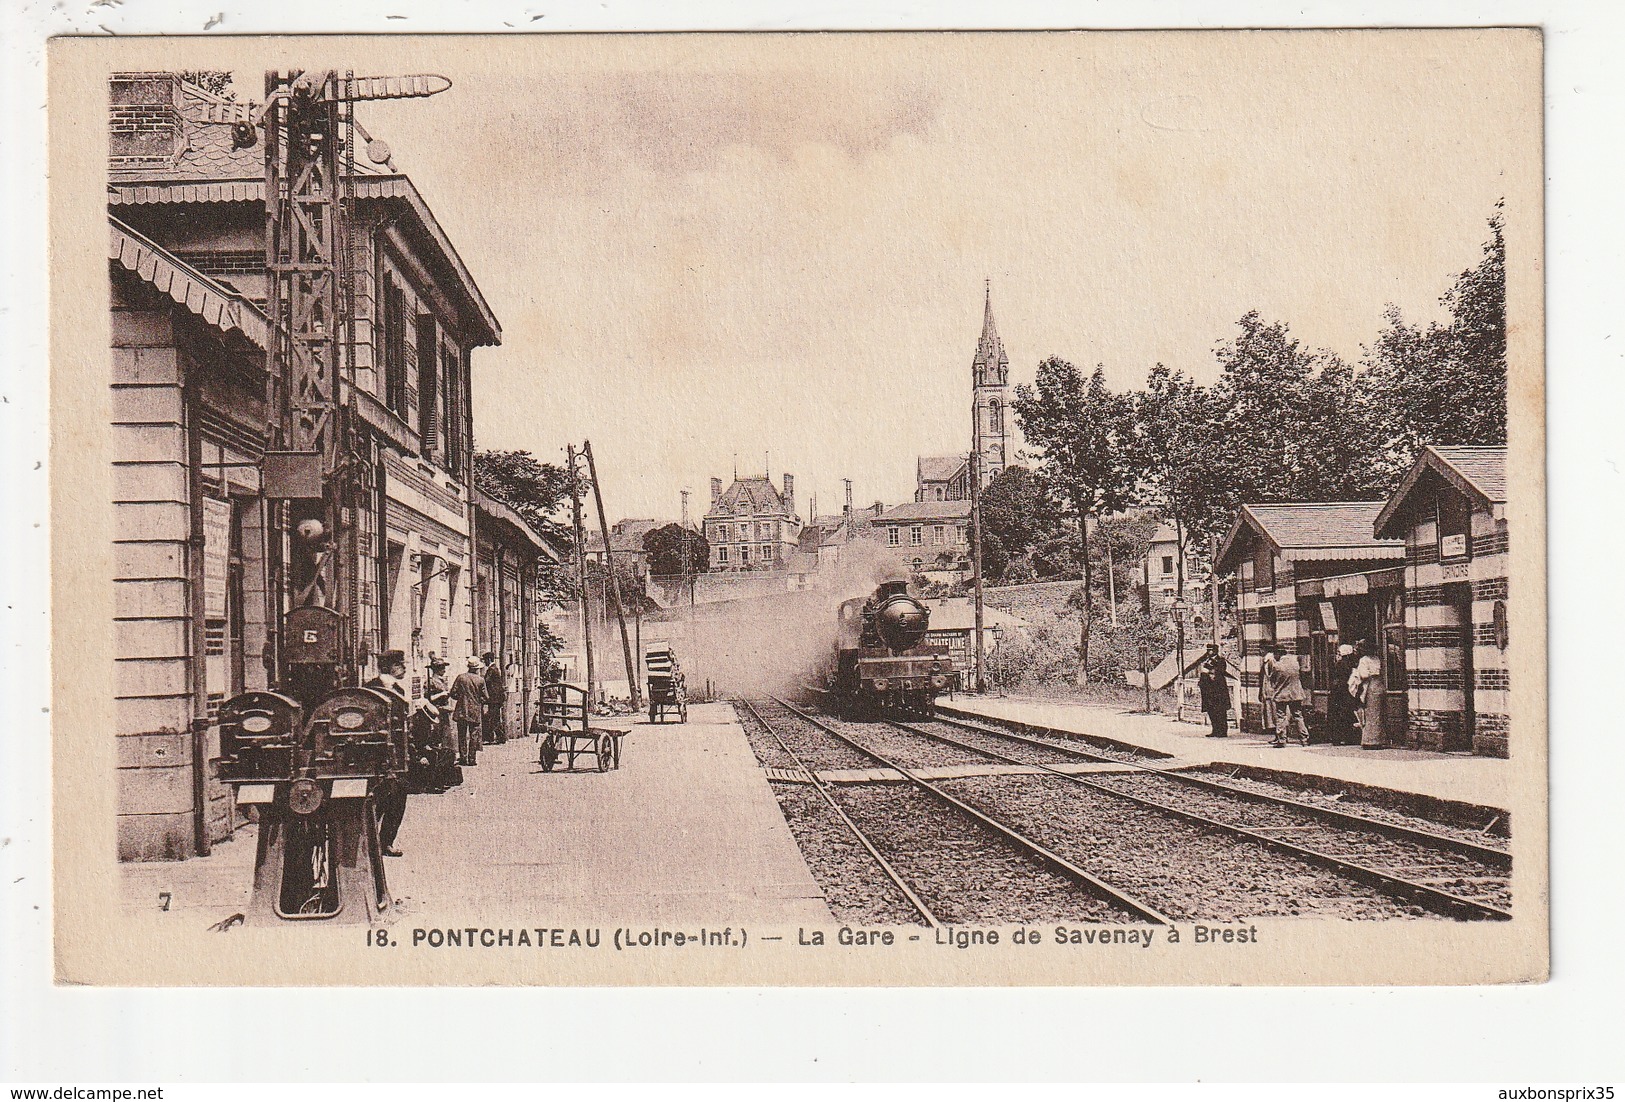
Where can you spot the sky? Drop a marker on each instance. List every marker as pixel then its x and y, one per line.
pixel 775 247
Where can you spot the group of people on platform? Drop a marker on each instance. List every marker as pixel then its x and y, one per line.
pixel 1354 704
pixel 448 724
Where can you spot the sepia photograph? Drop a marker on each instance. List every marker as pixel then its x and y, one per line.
pixel 877 509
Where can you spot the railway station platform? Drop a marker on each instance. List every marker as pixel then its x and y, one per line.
pixel 687 829
pixel 1456 778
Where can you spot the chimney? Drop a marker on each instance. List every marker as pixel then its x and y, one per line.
pixel 144 119
pixel 879 507
pixel 790 492
pixel 716 490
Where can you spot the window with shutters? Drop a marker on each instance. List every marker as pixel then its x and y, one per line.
pixel 428 386
pixel 394 347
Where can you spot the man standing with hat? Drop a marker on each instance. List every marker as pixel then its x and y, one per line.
pixel 468 700
pixel 496 699
pixel 437 691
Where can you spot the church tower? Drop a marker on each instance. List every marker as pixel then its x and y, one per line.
pixel 990 377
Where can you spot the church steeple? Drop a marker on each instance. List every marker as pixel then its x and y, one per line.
pixel 991 366
pixel 990 374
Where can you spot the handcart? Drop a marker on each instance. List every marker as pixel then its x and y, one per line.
pixel 668 697
pixel 562 731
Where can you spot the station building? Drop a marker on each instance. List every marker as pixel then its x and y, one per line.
pixel 198 585
pixel 508 602
pixel 1450 509
pixel 1303 581
pixel 1421 577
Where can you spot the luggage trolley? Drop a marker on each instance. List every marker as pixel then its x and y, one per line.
pixel 667 695
pixel 561 728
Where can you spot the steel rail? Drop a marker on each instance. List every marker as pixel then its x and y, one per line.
pixel 896 877
pixel 1490 855
pixel 1434 899
pixel 1027 845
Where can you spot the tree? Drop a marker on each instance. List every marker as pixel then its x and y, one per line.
pixel 634 592
pixel 1017 509
pixel 548 645
pixel 1083 434
pixel 1445 384
pixel 1181 459
pixel 536 491
pixel 665 546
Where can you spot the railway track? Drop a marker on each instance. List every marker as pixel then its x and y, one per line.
pixel 1441 873
pixel 997 873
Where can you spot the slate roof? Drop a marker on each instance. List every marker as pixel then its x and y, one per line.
pixel 925 510
pixel 1320 530
pixel 625 535
pixel 758 494
pixel 938 468
pixel 207 120
pixel 1484 468
pixel 1479 473
pixel 210 300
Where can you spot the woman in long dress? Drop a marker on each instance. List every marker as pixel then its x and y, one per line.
pixel 1366 685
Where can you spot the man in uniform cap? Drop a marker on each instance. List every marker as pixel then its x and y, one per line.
pixel 390 795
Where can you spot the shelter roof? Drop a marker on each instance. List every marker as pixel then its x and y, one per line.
pixel 1340 530
pixel 1478 473
pixel 500 510
pixel 209 299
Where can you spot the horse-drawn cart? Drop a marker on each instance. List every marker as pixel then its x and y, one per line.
pixel 563 731
pixel 668 697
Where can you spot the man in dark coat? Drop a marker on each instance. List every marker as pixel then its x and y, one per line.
pixel 1340 703
pixel 389 797
pixel 1213 684
pixel 468 699
pixel 496 694
pixel 442 744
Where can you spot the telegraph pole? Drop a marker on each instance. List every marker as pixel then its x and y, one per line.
pixel 976 541
pixel 614 580
pixel 581 566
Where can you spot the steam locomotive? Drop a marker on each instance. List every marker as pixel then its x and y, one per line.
pixel 881 661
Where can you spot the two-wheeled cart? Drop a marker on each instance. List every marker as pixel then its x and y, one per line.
pixel 563 731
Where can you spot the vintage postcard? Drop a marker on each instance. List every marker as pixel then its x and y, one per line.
pixel 879 509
